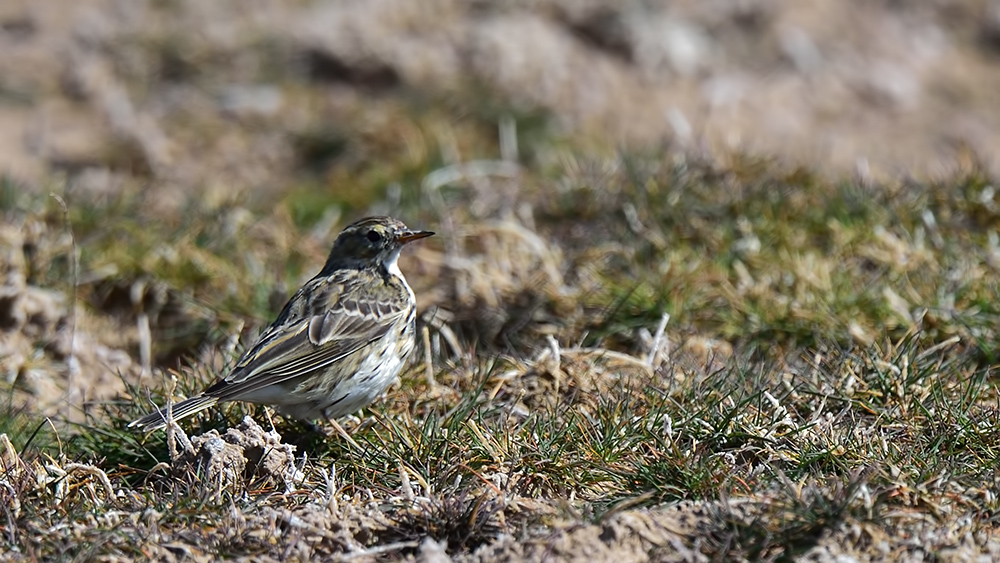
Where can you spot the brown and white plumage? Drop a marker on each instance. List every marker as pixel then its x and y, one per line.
pixel 339 342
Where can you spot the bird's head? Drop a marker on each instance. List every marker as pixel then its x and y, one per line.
pixel 371 242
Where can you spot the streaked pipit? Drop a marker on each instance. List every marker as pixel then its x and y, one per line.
pixel 339 342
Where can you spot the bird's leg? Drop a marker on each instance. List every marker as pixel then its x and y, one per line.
pixel 313 427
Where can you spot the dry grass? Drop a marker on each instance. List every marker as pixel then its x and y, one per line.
pixel 801 367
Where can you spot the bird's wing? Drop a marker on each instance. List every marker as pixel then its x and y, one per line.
pixel 327 320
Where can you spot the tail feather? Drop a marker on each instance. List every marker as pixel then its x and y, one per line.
pixel 157 419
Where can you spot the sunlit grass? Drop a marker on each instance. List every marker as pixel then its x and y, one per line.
pixel 826 357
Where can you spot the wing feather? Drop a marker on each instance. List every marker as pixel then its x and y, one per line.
pixel 326 321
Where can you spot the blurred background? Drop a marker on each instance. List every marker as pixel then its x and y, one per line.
pixel 269 95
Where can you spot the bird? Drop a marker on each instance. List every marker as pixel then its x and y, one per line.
pixel 337 344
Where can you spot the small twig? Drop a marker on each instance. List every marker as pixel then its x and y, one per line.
pixel 939 346
pixel 168 416
pixel 162 466
pixel 556 366
pixel 55 432
pixel 378 550
pixel 556 356
pixel 145 336
pixel 62 474
pixel 137 292
pixel 428 360
pixel 611 355
pixel 343 434
pixel 14 504
pixel 331 489
pixel 449 336
pixel 96 472
pixel 270 420
pixel 404 479
pixel 657 340
pixel 174 432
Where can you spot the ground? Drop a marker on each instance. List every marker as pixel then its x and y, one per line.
pixel 711 281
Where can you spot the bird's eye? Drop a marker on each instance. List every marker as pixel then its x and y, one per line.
pixel 374 236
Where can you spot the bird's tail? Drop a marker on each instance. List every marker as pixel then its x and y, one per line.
pixel 157 419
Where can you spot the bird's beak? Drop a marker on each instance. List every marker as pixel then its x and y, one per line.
pixel 410 236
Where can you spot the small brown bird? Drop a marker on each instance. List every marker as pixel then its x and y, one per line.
pixel 339 342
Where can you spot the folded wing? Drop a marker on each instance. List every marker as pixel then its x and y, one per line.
pixel 320 325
